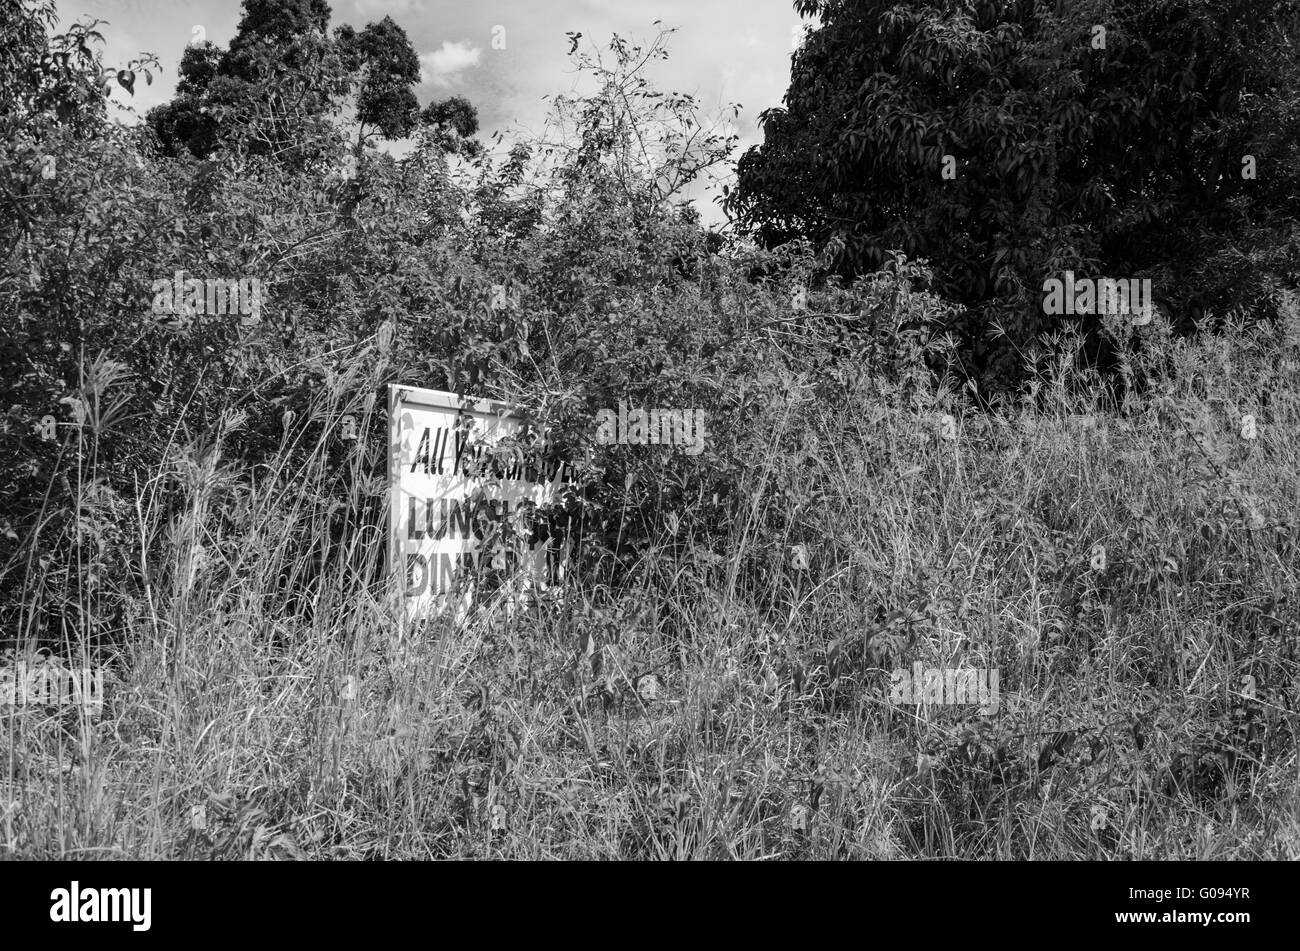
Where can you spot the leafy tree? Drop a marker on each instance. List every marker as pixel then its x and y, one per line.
pixel 283 79
pixel 453 122
pixel 274 88
pixel 49 80
pixel 1105 137
pixel 54 143
pixel 388 67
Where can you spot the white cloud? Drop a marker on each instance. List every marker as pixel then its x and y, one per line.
pixel 441 64
pixel 371 7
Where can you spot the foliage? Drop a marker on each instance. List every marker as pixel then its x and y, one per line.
pixel 282 80
pixel 1123 160
pixel 195 516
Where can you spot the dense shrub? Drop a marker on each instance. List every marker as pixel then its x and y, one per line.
pixel 713 680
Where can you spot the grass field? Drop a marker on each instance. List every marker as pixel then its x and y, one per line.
pixel 1130 575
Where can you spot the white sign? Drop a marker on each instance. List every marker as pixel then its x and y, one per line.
pixel 456 506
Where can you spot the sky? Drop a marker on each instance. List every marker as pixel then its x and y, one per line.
pixel 505 55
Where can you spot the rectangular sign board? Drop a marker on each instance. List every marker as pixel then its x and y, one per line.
pixel 449 495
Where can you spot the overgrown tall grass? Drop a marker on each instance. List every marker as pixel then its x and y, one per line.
pixel 725 698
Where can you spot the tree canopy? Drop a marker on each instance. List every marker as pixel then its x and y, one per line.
pixel 283 78
pixel 1010 141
